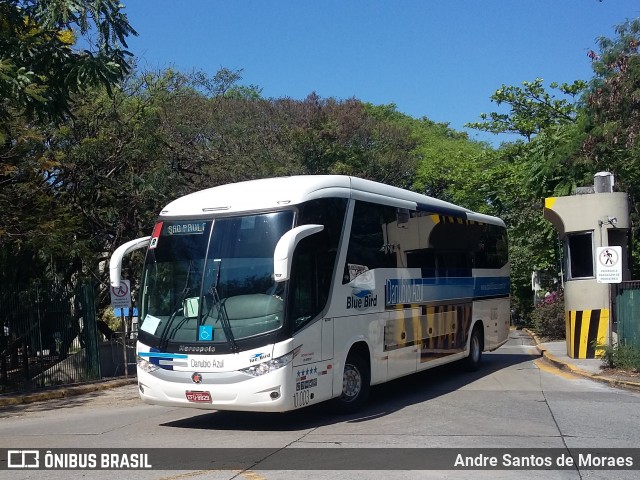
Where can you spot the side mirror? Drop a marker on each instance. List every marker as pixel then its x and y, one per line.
pixel 285 247
pixel 115 264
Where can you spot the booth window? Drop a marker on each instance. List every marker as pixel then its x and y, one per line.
pixel 580 254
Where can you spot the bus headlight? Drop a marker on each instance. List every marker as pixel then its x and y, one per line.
pixel 145 365
pixel 269 366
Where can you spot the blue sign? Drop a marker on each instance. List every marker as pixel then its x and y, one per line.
pixel 205 333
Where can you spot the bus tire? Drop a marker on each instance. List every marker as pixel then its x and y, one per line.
pixel 472 362
pixel 356 379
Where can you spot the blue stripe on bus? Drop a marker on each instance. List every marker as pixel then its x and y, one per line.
pixel 418 290
pixel 491 286
pixel 162 355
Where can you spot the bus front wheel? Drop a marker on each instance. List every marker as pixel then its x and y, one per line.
pixel 355 385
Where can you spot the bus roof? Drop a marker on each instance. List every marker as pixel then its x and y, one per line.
pixel 279 192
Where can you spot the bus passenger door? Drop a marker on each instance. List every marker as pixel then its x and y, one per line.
pixel 327 339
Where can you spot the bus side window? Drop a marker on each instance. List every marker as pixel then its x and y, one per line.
pixel 461 246
pixel 424 259
pixel 367 241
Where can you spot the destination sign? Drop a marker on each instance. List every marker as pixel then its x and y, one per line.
pixel 186 228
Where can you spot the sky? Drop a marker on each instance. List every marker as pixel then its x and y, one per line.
pixel 440 59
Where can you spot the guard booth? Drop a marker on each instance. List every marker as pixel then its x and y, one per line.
pixel 592 218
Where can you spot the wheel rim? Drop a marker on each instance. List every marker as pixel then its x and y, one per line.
pixel 351 383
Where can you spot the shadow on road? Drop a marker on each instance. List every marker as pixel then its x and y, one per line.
pixel 384 400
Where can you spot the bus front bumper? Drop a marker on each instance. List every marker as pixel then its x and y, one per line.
pixel 217 391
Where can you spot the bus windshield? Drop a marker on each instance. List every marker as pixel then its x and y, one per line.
pixel 211 280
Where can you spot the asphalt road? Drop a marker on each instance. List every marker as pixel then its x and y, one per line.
pixel 515 401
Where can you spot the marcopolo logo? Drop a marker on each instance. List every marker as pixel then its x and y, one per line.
pixel 361 299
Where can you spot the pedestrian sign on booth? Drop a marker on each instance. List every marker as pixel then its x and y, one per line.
pixel 121 296
pixel 609 264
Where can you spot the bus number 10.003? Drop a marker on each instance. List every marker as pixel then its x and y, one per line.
pixel 301 398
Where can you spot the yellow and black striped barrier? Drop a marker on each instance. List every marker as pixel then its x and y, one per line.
pixel 585 328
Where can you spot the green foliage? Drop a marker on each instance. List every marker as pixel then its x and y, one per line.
pixel 532 108
pixel 612 115
pixel 548 317
pixel 41 73
pixel 40 70
pixel 350 138
pixel 446 160
pixel 624 357
pixel 113 322
pixel 556 167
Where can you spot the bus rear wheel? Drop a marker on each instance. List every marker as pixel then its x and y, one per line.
pixel 472 362
pixel 355 385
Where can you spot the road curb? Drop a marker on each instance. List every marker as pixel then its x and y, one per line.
pixel 565 366
pixel 63 392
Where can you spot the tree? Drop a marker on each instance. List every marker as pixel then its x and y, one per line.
pixel 40 71
pixel 555 162
pixel 532 108
pixel 450 165
pixel 613 115
pixel 41 75
pixel 350 137
pixel 221 132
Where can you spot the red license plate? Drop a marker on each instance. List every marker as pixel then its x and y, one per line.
pixel 198 397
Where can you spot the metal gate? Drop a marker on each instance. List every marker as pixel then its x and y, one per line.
pixel 628 313
pixel 48 337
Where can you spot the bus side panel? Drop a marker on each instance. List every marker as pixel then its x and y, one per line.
pixel 312 375
pixel 446 328
pixel 402 340
pixel 367 328
pixel 495 316
pixel 313 383
pixel 308 343
pixel 418 337
pixel 504 320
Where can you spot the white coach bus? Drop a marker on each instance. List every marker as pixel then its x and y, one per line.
pixel 275 294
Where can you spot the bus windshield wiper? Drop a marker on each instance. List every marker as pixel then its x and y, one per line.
pixel 164 337
pixel 226 326
pixel 221 310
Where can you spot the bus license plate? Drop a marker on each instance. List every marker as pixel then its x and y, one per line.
pixel 198 397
